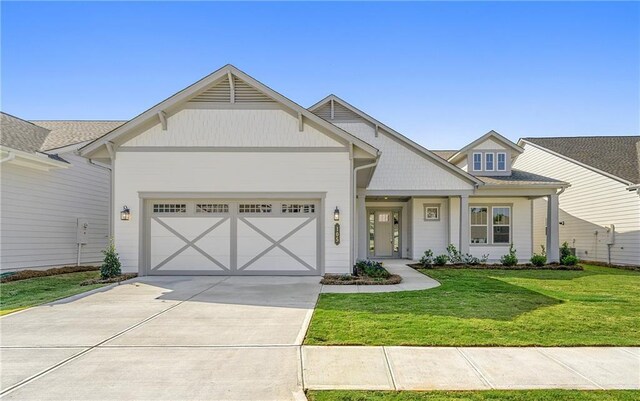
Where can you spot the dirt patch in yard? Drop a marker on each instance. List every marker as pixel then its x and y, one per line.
pixel 110 280
pixel 26 274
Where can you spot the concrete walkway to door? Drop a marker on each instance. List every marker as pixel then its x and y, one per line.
pixel 162 338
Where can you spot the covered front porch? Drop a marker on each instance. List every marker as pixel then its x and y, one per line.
pixel 396 225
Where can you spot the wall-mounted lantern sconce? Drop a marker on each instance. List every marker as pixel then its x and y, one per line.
pixel 561 223
pixel 125 214
pixel 336 214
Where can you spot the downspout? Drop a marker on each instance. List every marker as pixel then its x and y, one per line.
pixel 354 203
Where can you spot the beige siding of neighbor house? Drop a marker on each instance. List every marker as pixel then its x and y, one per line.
pixel 40 211
pixel 592 202
pixel 249 171
pixel 223 127
pixel 401 167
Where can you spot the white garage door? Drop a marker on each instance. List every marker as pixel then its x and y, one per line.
pixel 246 237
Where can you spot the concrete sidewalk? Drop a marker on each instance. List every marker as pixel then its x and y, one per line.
pixel 439 368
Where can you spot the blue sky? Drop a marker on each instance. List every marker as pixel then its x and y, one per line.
pixel 440 73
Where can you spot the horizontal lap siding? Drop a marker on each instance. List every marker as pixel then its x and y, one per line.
pixel 39 212
pixel 252 172
pixel 592 202
pixel 430 234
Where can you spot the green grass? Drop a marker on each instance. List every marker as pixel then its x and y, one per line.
pixel 17 295
pixel 493 395
pixel 597 306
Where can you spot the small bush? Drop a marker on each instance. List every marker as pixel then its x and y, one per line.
pixel 111 264
pixel 454 255
pixel 509 259
pixel 440 260
pixel 538 260
pixel 370 268
pixel 569 260
pixel 427 259
pixel 565 250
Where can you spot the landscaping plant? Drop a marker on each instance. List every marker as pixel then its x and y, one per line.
pixel 566 257
pixel 371 268
pixel 509 259
pixel 427 259
pixel 111 264
pixel 539 259
pixel 454 256
pixel 440 260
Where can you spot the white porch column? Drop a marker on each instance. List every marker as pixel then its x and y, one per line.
pixel 553 229
pixel 464 224
pixel 361 229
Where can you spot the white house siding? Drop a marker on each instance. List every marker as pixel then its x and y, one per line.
pixel 232 128
pixel 402 168
pixel 216 172
pixel 592 202
pixel 40 211
pixel 489 144
pixel 521 229
pixel 432 234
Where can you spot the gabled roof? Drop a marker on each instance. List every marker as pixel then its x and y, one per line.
pixel 489 135
pixel 200 87
pixel 65 133
pixel 522 178
pixel 615 155
pixel 20 134
pixel 421 149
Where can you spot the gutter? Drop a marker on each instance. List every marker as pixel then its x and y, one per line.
pixel 10 156
pixel 354 204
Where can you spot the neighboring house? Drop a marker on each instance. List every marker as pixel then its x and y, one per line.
pixel 600 212
pixel 46 189
pixel 229 177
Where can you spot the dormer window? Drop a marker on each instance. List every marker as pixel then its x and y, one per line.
pixel 477 161
pixel 502 162
pixel 488 161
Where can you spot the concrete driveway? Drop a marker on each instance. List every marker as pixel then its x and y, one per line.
pixel 163 338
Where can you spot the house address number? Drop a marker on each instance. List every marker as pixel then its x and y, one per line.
pixel 336 234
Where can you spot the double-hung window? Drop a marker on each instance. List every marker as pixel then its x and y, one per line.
pixel 502 162
pixel 477 162
pixel 479 225
pixel 488 161
pixel 501 224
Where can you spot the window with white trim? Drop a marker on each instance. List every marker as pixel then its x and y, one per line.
pixel 479 224
pixel 169 208
pixel 501 224
pixel 212 208
pixel 431 212
pixel 488 161
pixel 298 208
pixel 477 161
pixel 502 162
pixel 255 208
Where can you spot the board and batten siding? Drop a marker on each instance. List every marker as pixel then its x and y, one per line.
pixel 40 211
pixel 401 167
pixel 592 202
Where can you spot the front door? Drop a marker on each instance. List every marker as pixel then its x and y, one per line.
pixel 384 233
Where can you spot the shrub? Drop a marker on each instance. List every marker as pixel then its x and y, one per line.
pixel 565 250
pixel 471 260
pixel 569 260
pixel 538 260
pixel 440 260
pixel 453 255
pixel 509 259
pixel 111 264
pixel 370 268
pixel 427 259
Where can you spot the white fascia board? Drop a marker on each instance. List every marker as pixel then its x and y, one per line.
pixel 201 85
pixel 432 156
pixel 39 161
pixel 491 134
pixel 588 167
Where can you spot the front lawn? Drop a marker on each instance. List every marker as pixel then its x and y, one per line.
pixel 597 306
pixel 17 295
pixel 493 395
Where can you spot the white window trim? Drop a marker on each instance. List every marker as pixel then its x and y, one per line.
pixel 498 164
pixel 486 226
pixel 473 161
pixel 493 161
pixel 502 225
pixel 427 206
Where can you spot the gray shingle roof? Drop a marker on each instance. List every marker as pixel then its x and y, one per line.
pixel 64 133
pixel 21 135
pixel 519 177
pixel 616 155
pixel 445 154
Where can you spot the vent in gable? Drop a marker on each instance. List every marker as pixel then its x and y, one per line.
pixel 221 93
pixel 340 113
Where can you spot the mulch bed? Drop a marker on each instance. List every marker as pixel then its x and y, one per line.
pixel 26 274
pixel 110 280
pixel 346 279
pixel 499 267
